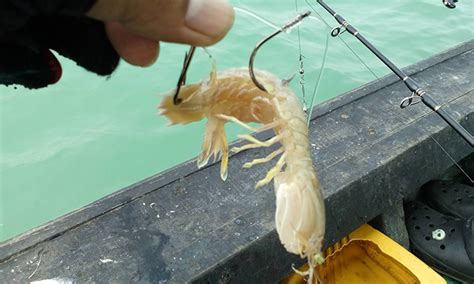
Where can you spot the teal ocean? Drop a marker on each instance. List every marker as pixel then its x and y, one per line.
pixel 68 145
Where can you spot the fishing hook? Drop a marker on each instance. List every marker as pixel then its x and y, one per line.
pixel 298 19
pixel 182 77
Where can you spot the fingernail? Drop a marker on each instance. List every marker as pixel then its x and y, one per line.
pixel 209 17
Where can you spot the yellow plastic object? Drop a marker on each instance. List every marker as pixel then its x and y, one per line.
pixel 367 256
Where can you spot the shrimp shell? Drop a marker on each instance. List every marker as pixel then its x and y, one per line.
pixel 232 96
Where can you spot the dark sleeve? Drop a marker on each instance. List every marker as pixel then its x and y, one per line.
pixel 16 13
pixel 30 29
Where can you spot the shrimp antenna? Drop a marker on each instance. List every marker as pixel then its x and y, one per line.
pixel 292 23
pixel 182 77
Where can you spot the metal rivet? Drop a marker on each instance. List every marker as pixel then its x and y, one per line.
pixel 438 234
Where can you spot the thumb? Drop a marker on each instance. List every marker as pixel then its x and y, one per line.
pixel 194 22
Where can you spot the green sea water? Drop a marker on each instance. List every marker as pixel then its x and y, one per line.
pixel 70 144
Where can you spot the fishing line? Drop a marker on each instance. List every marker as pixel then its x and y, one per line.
pixel 318 81
pixel 424 96
pixel 441 146
pixel 454 161
pixel 316 88
pixel 301 57
pixel 257 17
pixel 342 40
pixel 337 34
pixel 396 130
pixel 302 71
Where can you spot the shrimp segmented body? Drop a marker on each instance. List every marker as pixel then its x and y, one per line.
pixel 231 96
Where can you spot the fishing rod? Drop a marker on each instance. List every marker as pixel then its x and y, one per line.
pixel 417 91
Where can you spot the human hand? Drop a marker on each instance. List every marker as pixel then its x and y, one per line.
pixel 29 29
pixel 135 27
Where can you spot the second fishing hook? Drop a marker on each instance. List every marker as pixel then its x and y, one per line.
pixel 292 23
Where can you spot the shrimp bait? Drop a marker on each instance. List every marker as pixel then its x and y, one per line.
pixel 232 96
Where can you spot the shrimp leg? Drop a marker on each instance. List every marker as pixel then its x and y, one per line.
pixel 225 157
pixel 245 125
pixel 245 147
pixel 254 140
pixel 215 144
pixel 263 160
pixel 273 172
pixel 236 120
pixel 256 143
pixel 268 126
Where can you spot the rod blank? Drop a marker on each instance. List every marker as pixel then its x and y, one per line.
pixel 409 82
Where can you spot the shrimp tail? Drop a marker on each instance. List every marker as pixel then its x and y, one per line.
pixel 180 114
pixel 193 106
pixel 299 216
pixel 215 144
